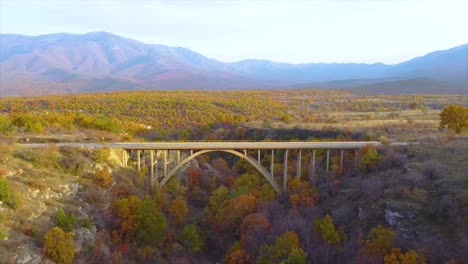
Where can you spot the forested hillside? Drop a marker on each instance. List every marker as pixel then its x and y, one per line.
pixel 400 204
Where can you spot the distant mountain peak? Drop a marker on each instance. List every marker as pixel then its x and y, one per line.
pixel 101 60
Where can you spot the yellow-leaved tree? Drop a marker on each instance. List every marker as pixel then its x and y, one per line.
pixel 454 117
pixel 59 246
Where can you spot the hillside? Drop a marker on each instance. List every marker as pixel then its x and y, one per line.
pixel 413 86
pixel 100 61
pixel 84 205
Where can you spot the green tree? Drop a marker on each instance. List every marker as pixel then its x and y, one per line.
pixel 455 117
pixel 64 221
pixel 327 230
pixel 192 238
pixel 218 200
pixel 150 223
pixel 281 250
pixel 58 245
pixel 297 256
pixel 246 182
pixel 369 158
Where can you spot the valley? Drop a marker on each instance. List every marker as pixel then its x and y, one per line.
pixel 366 206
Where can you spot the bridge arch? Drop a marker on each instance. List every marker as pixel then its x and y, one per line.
pixel 265 173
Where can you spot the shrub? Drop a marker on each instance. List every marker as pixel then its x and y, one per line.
pixel 58 245
pixel 35 232
pixel 100 123
pixel 87 223
pixel 13 201
pixel 29 122
pixel 102 178
pixel 3 234
pixel 4 124
pixel 46 157
pixel 369 158
pixel 101 155
pixel 64 221
pixel 5 149
pixel 74 161
pixel 4 190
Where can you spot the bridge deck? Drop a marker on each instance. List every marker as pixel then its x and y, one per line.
pixel 244 145
pixel 216 145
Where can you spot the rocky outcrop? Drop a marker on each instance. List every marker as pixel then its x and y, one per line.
pixel 84 238
pixel 392 217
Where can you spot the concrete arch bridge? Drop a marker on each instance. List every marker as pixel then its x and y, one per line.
pixel 159 153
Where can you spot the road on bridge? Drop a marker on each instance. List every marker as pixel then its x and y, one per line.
pixel 219 145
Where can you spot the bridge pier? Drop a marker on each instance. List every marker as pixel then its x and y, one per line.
pixel 312 165
pixel 341 161
pixel 138 159
pixel 285 171
pixel 272 164
pixel 165 162
pixel 299 164
pixel 152 164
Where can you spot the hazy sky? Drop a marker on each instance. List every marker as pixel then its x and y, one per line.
pixel 292 31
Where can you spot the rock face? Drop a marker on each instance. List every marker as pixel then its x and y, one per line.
pixel 84 238
pixel 392 217
pixel 29 255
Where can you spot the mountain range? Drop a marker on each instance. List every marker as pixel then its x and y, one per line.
pixel 100 61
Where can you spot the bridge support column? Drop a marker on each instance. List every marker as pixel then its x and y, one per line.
pixel 258 157
pixel 152 165
pixel 312 165
pixel 178 156
pixel 328 159
pixel 341 161
pixel 156 171
pixel 165 162
pixel 272 164
pixel 299 164
pixel 138 159
pixel 124 157
pixel 285 171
